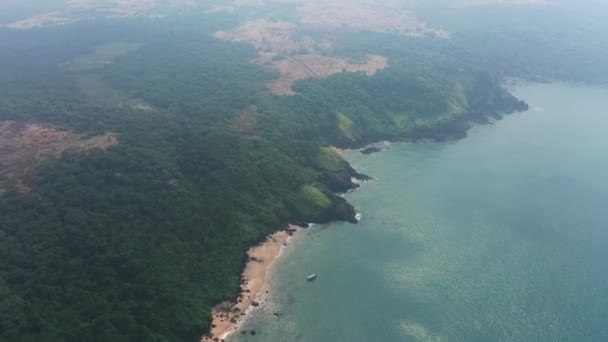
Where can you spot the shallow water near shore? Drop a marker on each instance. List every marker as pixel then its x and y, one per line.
pixel 501 236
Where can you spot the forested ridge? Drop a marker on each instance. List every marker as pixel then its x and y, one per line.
pixel 139 242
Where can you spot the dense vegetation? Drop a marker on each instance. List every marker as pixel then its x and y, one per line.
pixel 137 243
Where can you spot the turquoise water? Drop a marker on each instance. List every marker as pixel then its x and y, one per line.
pixel 502 236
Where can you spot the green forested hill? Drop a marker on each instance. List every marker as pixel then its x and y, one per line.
pixel 138 242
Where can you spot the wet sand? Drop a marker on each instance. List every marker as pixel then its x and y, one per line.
pixel 228 317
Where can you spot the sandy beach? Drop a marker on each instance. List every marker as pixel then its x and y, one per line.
pixel 228 317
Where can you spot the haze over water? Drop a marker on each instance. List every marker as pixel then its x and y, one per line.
pixel 502 236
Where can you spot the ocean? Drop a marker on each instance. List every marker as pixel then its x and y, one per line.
pixel 500 236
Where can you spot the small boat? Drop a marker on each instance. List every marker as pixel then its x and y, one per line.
pixel 312 277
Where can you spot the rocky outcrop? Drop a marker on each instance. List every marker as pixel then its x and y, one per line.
pixel 370 150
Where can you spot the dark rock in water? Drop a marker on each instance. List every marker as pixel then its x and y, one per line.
pixel 252 332
pixel 370 150
pixel 243 332
pixel 362 177
pixel 254 303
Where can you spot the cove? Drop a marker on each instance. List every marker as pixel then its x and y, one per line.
pixel 500 236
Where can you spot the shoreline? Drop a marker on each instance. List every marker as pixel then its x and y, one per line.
pixel 228 317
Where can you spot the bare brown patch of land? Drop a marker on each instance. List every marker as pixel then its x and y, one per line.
pixel 384 16
pixel 268 35
pixel 277 44
pixel 25 145
pixel 245 122
pixel 300 67
pixel 285 47
pixel 393 16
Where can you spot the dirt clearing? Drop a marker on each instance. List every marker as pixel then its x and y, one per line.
pixel 294 58
pixel 300 67
pixel 245 121
pixel 25 145
pixel 277 36
pixel 360 16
